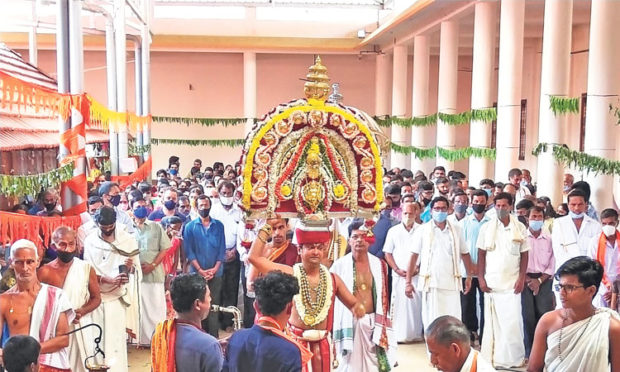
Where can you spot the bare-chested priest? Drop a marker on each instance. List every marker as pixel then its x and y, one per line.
pixel 36 309
pixel 79 283
pixel 312 318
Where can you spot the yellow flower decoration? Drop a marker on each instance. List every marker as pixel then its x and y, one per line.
pixel 285 190
pixel 339 191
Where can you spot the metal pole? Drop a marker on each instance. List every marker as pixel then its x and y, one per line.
pixel 62 77
pixel 110 47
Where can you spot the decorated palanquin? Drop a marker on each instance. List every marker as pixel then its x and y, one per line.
pixel 312 158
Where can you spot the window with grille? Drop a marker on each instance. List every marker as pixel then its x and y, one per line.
pixel 522 130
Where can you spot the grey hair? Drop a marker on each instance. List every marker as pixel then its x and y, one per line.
pixel 446 330
pixel 23 244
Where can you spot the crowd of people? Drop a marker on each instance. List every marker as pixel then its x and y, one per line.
pixel 490 267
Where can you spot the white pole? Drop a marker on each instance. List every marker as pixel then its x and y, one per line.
pixel 603 91
pixel 32 37
pixel 509 86
pixel 555 80
pixel 62 77
pixel 421 137
pixel 482 94
pixel 110 50
pixel 446 91
pixel 146 76
pixel 399 105
pixel 249 89
pixel 121 76
pixel 382 96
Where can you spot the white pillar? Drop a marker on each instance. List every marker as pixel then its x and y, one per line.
pixel 146 77
pixel 249 89
pixel 382 99
pixel 509 86
pixel 422 137
pixel 555 80
pixel 482 94
pixel 446 91
pixel 399 105
pixel 603 91
pixel 121 76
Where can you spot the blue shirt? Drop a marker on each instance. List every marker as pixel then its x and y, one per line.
pixel 426 214
pixel 471 228
pixel 257 349
pixel 205 244
pixel 196 350
pixel 158 214
pixel 380 230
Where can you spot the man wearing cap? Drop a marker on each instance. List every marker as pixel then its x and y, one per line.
pixel 153 243
pixel 110 193
pixel 368 343
pixel 36 309
pixel 310 320
pixel 114 255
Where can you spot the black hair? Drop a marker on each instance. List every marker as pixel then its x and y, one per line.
pixel 173 160
pixel 499 185
pixel 588 271
pixel 577 193
pixel 582 186
pixel 441 180
pixel 104 188
pixel 487 181
pixel 505 196
pixel 94 200
pixel 355 225
pixel 535 209
pixel 162 171
pixel 202 197
pixel 185 289
pixel 19 352
pixel 439 167
pixel 514 172
pixel 392 190
pixel 406 173
pixel 609 212
pixel 426 186
pixel 170 220
pixel 198 187
pixel 274 291
pixel 524 204
pixel 439 199
pixel 479 192
pixel 144 187
pixel 105 216
pixel 136 199
pixel 227 184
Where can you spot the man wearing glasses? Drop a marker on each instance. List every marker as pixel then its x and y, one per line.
pixel 578 337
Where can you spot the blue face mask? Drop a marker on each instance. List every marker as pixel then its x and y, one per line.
pixel 170 204
pixel 460 208
pixel 575 216
pixel 536 225
pixel 115 200
pixel 173 171
pixel 439 216
pixel 140 212
pixel 488 191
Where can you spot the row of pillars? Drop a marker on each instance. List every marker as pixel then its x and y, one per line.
pixel 603 89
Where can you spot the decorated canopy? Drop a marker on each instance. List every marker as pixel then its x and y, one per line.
pixel 312 158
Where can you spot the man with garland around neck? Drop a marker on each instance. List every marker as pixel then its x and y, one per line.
pixel 312 317
pixel 579 337
pixel 366 344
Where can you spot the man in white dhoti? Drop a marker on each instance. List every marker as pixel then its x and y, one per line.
pixel 450 349
pixel 440 248
pixel 113 253
pixel 79 284
pixel 572 234
pixel 36 309
pixel 153 243
pixel 502 264
pixel 407 311
pixel 579 337
pixel 365 344
pixel 604 248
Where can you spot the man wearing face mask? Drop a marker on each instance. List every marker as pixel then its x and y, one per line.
pixel 79 284
pixel 573 233
pixel 230 215
pixel 49 204
pixel 381 228
pixel 438 248
pixel 110 194
pixel 604 248
pixel 460 203
pixel 93 203
pixel 537 296
pixel 502 263
pixel 407 311
pixel 114 254
pixel 425 195
pixel 168 208
pixel 205 247
pixel 393 192
pixel 153 243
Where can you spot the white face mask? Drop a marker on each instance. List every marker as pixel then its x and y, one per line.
pixel 609 230
pixel 226 200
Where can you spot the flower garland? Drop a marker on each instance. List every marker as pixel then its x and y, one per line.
pixel 205 122
pixel 308 313
pixel 579 160
pixel 33 183
pixel 138 150
pixel 451 155
pixel 485 115
pixel 563 105
pixel 189 142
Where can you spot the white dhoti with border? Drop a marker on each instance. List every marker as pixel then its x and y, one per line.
pixel 502 340
pixel 152 311
pixel 407 312
pixel 438 302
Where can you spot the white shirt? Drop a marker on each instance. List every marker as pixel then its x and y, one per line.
pixel 567 242
pixel 452 219
pixel 436 257
pixel 396 242
pixel 230 219
pixel 481 364
pixel 503 262
pixel 611 257
pixel 522 192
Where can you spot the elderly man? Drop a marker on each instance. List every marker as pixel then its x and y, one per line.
pixel 114 255
pixel 153 243
pixel 579 337
pixel 79 283
pixel 310 321
pixel 37 309
pixel 449 347
pixel 366 344
pixel 502 263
